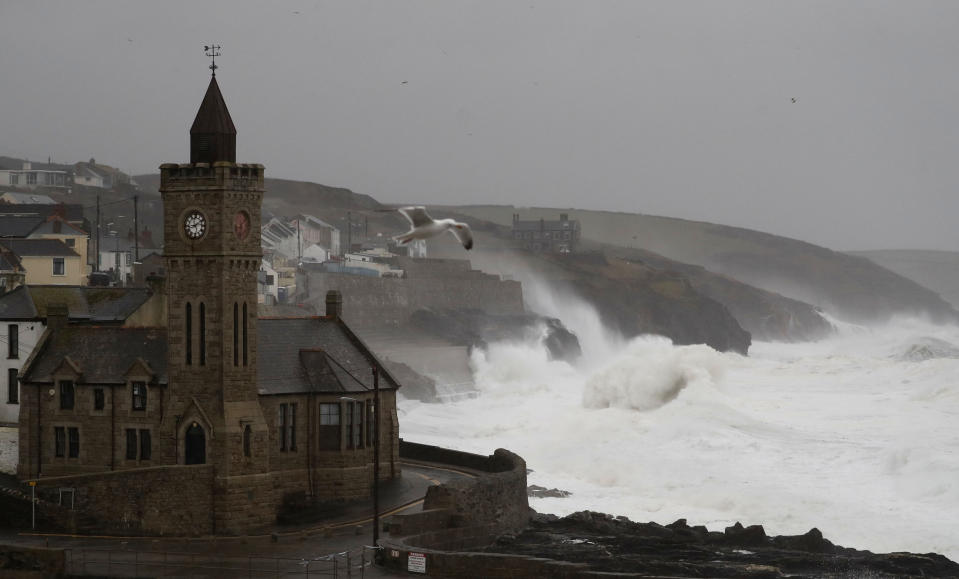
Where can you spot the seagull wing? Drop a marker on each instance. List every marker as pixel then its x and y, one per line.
pixel 417 215
pixel 463 233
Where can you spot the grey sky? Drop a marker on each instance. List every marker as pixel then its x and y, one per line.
pixel 672 108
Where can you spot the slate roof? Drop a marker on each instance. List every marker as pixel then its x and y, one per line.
pixel 314 354
pixel 72 212
pixel 66 228
pixel 39 248
pixel 18 225
pixel 87 304
pixel 103 354
pixel 213 116
pixel 9 261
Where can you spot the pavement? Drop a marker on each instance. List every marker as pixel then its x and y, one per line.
pixel 339 545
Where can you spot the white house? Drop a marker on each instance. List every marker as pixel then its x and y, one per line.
pixel 27 177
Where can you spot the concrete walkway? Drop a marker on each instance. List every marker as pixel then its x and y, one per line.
pixel 326 548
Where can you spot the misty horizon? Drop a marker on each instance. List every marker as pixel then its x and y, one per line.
pixel 825 122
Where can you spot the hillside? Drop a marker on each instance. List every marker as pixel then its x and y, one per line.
pixel 936 270
pixel 848 286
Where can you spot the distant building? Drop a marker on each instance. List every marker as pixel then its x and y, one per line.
pixel 48 261
pixel 26 176
pixel 316 231
pixel 20 224
pixel 91 174
pixel 548 236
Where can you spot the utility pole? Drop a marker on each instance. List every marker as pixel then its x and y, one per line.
pixel 349 232
pixel 299 246
pixel 136 232
pixel 98 232
pixel 376 456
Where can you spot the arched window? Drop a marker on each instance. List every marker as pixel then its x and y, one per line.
pixel 247 435
pixel 236 334
pixel 202 339
pixel 189 333
pixel 245 342
pixel 195 445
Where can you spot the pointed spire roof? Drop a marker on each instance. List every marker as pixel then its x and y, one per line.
pixel 213 136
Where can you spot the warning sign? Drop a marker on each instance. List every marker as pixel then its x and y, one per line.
pixel 416 563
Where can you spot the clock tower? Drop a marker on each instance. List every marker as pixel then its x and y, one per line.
pixel 211 224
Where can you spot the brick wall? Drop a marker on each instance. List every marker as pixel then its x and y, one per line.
pixel 165 500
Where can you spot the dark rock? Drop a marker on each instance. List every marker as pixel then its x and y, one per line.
pixel 476 328
pixel 542 492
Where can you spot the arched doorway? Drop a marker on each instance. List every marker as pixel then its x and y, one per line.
pixel 195 441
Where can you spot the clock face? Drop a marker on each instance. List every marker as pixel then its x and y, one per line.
pixel 194 225
pixel 241 225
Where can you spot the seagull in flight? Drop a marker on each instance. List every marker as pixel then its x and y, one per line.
pixel 423 226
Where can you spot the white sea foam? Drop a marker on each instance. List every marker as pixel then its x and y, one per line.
pixel 846 434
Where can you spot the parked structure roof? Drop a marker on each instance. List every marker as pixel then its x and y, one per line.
pixel 84 304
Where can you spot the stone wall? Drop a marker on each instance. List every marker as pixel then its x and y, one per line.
pixel 165 500
pixel 463 514
pixel 390 301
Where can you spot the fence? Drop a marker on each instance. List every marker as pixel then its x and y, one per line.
pixel 117 563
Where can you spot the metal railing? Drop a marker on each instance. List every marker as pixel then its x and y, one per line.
pixel 127 563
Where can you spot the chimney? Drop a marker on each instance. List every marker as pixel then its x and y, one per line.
pixel 57 315
pixel 334 304
pixel 27 166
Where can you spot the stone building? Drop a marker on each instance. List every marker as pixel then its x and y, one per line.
pixel 560 236
pixel 216 420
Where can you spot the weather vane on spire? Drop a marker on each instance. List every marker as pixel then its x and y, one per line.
pixel 212 51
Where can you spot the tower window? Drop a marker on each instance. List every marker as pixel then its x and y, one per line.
pixel 202 334
pixel 189 334
pixel 245 342
pixel 247 436
pixel 236 334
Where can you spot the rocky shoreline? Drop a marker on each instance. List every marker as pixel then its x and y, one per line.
pixel 618 545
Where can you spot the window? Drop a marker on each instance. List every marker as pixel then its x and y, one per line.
pixel 293 426
pixel 31 178
pixel 189 334
pixel 139 396
pixel 146 450
pixel 202 334
pixel 247 435
pixel 281 421
pixel 329 426
pixel 236 334
pixel 13 341
pixel 14 179
pixel 349 425
pixel 58 267
pixel 66 395
pixel 60 440
pixel 74 435
pixel 70 242
pixel 244 335
pixel 131 444
pixel 287 426
pixel 13 390
pixel 98 401
pixel 358 422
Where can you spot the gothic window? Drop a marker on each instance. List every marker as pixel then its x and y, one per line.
pixel 189 334
pixel 66 394
pixel 13 391
pixel 236 334
pixel 139 396
pixel 13 341
pixel 245 343
pixel 247 436
pixel 60 441
pixel 98 401
pixel 195 445
pixel 329 426
pixel 202 338
pixel 74 435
